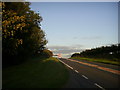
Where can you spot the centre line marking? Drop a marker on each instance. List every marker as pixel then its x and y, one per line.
pixel 76 71
pixel 99 86
pixel 84 76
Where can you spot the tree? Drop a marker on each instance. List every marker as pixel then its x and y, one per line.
pixel 21 31
pixel 76 55
pixel 47 53
pixel 106 52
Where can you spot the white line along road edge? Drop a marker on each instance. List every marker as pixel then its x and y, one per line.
pixel 82 75
pixel 65 64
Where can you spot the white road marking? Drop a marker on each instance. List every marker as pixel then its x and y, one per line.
pixel 96 66
pixel 99 86
pixel 76 71
pixel 84 76
pixel 66 64
pixel 69 66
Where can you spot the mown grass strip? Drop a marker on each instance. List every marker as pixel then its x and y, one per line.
pixel 36 73
pixel 97 60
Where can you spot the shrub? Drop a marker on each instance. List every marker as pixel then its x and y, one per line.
pixel 47 53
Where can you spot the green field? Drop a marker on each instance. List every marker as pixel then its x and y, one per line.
pixel 35 73
pixel 97 60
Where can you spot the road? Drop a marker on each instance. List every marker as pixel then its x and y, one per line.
pixel 85 74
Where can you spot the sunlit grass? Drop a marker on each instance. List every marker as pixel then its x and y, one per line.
pixel 98 60
pixel 36 73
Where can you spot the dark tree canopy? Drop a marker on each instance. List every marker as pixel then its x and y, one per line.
pixel 21 31
pixel 108 52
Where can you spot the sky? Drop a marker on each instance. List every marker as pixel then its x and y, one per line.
pixel 75 26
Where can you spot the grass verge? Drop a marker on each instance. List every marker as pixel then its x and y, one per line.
pixel 35 73
pixel 97 60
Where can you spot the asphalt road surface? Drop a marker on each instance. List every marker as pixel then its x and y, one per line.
pixel 88 75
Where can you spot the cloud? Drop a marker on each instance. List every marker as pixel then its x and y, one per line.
pixel 59 47
pixel 66 51
pixel 94 37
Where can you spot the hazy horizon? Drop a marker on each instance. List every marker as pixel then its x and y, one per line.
pixel 75 26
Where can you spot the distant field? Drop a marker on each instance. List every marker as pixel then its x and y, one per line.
pixel 98 60
pixel 35 73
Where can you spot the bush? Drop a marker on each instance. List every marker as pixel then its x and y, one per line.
pixel 47 53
